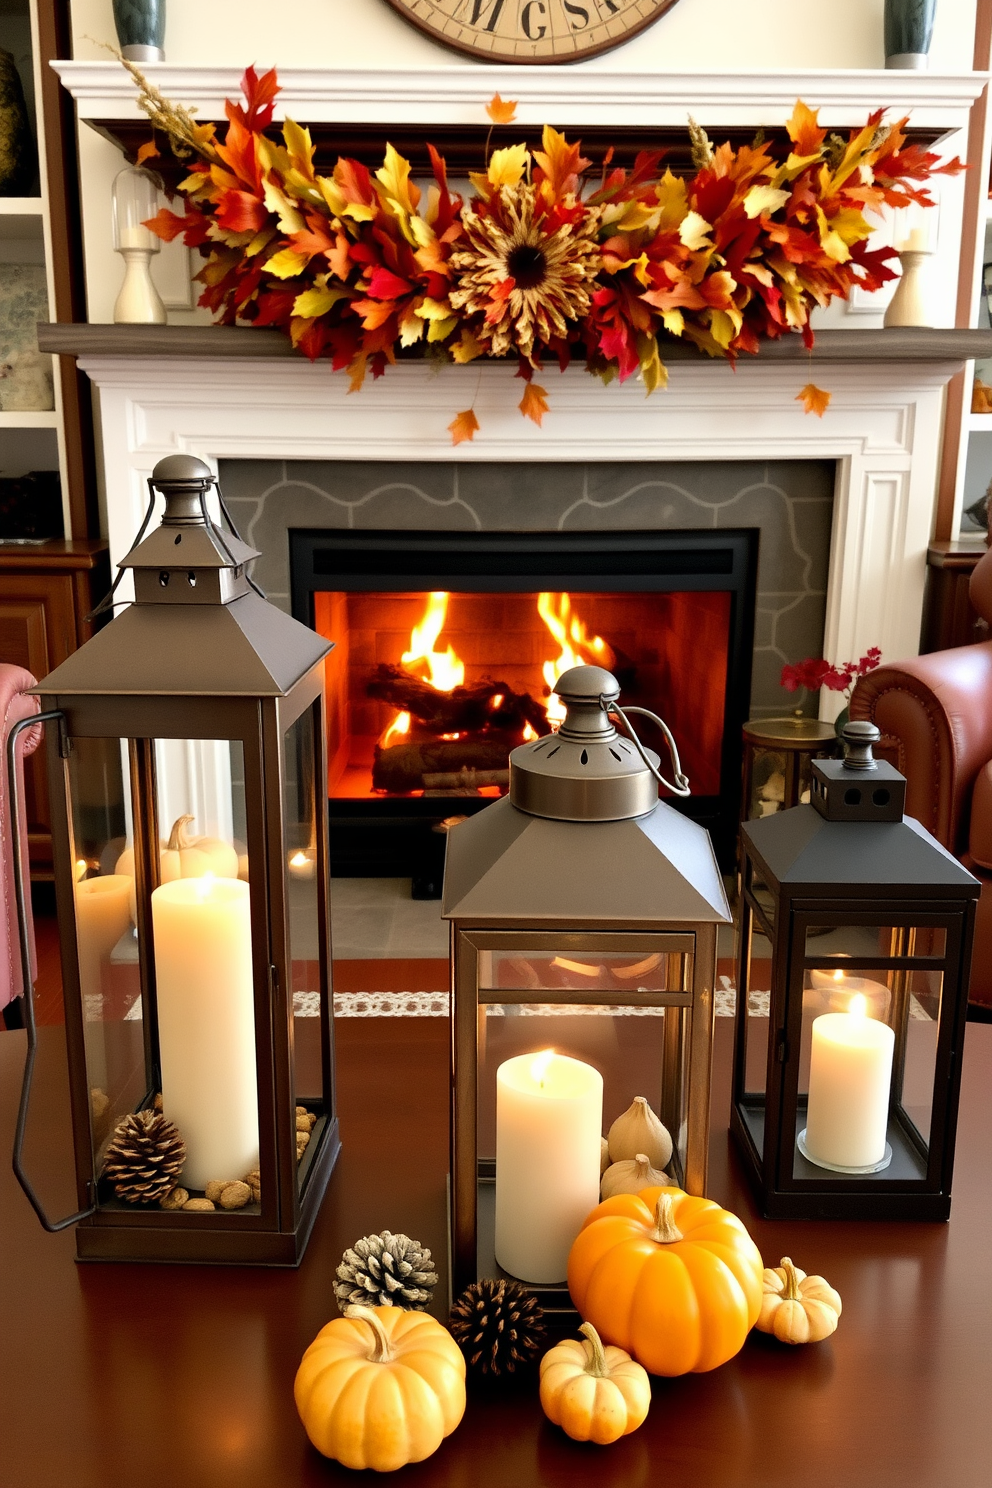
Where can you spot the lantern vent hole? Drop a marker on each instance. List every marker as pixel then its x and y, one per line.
pixel 191 579
pixel 178 539
pixel 880 797
pixel 553 751
pixel 852 797
pixel 163 579
pixel 584 757
pixel 615 755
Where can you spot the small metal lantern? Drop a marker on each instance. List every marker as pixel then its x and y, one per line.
pixel 584 916
pixel 186 760
pixel 854 953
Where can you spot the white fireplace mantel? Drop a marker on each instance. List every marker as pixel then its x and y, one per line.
pixel 882 428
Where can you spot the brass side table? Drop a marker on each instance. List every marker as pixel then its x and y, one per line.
pixel 778 753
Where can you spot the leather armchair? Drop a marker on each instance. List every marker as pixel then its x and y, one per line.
pixel 935 715
pixel 14 705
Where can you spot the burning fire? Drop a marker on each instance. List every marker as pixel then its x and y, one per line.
pixel 394 733
pixel 577 647
pixel 442 669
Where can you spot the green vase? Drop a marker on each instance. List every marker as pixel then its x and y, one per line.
pixel 141 29
pixel 17 151
pixel 908 31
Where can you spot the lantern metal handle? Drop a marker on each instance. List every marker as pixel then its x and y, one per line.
pixel 22 929
pixel 682 787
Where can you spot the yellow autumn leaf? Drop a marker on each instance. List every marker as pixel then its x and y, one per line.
pixel 534 403
pixel 506 167
pixel 764 199
pixel 723 328
pixel 317 301
pixel 673 321
pixel 440 330
pixel 831 242
pixel 259 241
pixel 433 310
pixel 299 144
pixel 464 426
pixel 671 196
pixel 279 204
pixel 654 373
pixel 287 263
pixel 467 348
pixel 814 399
pixel 693 230
pixel 394 176
pixel 411 329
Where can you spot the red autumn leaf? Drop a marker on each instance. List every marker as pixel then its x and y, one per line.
pixel 814 399
pixel 534 403
pixel 501 110
pixel 239 211
pixel 166 225
pixel 259 93
pixel 464 426
pixel 385 285
pixel 146 152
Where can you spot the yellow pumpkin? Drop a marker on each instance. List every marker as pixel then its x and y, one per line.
pixel 797 1308
pixel 381 1387
pixel 675 1280
pixel 593 1393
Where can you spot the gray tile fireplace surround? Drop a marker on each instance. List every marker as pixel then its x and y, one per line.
pixel 790 501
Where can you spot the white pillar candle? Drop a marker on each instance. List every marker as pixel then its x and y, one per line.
pixel 840 988
pixel 549 1124
pixel 206 1022
pixel 102 917
pixel 850 1072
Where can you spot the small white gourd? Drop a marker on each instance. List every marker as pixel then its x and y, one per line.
pixel 640 1130
pixel 604 1155
pixel 630 1177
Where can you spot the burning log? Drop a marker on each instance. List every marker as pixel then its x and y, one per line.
pixel 480 708
pixel 405 767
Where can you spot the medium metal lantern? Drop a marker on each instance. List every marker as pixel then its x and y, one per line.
pixel 854 954
pixel 187 761
pixel 584 916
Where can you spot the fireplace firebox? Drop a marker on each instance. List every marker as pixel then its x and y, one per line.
pixel 446 645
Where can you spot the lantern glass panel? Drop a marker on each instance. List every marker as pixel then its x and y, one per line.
pixel 204 979
pixel 306 954
pixel 117 1071
pixel 575 971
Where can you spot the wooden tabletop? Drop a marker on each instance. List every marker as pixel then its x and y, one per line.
pixel 177 1377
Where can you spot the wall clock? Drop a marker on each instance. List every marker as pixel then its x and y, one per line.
pixel 531 30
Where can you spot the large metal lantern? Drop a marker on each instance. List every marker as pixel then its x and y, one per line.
pixel 186 766
pixel 854 955
pixel 584 916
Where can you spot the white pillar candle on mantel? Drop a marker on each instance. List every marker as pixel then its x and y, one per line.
pixel 549 1124
pixel 206 1022
pixel 850 1074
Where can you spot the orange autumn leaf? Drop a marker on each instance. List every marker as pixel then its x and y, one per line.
pixel 146 152
pixel 814 399
pixel 501 110
pixel 534 403
pixel 465 426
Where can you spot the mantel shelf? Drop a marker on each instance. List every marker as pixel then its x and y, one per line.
pixel 899 344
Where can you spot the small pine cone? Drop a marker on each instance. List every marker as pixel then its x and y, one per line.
pixel 386 1271
pixel 145 1158
pixel 498 1325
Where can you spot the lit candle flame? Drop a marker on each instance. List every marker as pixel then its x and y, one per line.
pixel 204 885
pixel 838 976
pixel 540 1066
pixel 858 1007
pixel 298 860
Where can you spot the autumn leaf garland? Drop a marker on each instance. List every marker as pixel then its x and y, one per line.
pixel 540 263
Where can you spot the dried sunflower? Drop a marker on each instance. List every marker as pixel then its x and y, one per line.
pixel 524 271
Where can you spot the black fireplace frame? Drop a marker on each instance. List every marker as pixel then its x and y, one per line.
pixel 401 837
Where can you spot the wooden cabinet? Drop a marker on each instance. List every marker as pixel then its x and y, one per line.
pixel 46 591
pixel 948 616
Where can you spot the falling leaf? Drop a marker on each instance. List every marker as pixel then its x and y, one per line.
pixel 534 403
pixel 465 426
pixel 814 399
pixel 146 152
pixel 501 110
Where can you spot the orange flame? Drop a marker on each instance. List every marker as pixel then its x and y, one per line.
pixel 577 647
pixel 442 669
pixel 399 726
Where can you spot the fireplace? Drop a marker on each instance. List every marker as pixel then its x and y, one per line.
pixel 447 643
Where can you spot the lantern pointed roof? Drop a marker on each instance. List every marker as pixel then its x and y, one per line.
pixel 246 648
pixel 800 847
pixel 505 865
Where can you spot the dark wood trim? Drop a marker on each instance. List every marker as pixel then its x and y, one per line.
pixel 898 344
pixel 62 165
pixel 466 147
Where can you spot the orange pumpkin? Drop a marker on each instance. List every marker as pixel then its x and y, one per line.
pixel 674 1280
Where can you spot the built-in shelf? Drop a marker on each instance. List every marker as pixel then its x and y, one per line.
pixel 21 217
pixel 26 419
pixel 898 344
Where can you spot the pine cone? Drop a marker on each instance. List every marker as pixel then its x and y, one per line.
pixel 386 1271
pixel 498 1325
pixel 145 1156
